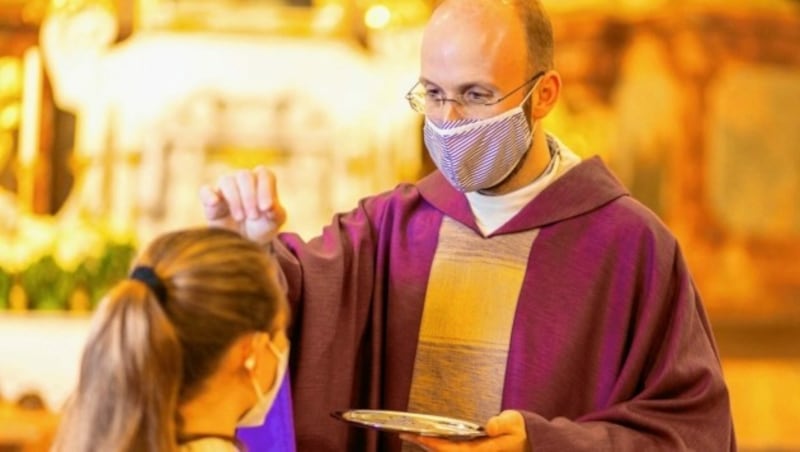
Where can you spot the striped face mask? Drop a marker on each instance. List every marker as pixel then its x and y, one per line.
pixel 475 154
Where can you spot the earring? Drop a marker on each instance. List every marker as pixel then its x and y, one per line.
pixel 250 363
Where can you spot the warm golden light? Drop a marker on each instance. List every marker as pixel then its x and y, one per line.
pixel 328 17
pixel 314 90
pixel 9 116
pixel 377 16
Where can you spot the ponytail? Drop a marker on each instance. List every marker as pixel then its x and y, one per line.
pixel 144 357
pixel 128 388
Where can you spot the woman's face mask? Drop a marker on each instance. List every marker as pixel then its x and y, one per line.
pixel 478 154
pixel 255 416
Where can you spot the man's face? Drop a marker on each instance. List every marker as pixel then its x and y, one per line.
pixel 474 48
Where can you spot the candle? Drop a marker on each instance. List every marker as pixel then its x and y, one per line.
pixel 31 108
pixel 28 149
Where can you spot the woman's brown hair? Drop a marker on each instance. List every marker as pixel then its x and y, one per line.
pixel 145 356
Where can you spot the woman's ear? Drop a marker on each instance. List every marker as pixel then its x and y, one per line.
pixel 549 89
pixel 247 348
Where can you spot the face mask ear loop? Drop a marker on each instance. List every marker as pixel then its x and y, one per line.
pixel 529 96
pixel 531 123
pixel 530 93
pixel 250 365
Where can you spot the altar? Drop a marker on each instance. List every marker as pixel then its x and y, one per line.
pixel 165 111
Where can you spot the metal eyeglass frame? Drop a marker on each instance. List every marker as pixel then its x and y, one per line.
pixel 417 100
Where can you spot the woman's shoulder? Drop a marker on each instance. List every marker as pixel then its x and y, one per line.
pixel 208 445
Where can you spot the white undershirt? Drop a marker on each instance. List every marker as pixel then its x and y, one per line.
pixel 492 212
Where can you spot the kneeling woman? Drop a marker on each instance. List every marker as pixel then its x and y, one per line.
pixel 188 348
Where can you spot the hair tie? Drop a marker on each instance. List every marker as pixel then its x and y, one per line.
pixel 148 276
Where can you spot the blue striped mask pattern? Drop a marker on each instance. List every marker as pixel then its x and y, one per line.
pixel 475 154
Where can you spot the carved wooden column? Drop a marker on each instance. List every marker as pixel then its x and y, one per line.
pixel 28 177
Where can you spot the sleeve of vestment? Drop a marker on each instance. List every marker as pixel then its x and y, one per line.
pixel 680 400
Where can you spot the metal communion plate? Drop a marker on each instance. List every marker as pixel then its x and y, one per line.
pixel 420 424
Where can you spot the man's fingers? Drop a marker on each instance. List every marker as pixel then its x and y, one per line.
pixel 267 194
pixel 245 201
pixel 246 185
pixel 509 421
pixel 214 206
pixel 208 196
pixel 266 189
pixel 229 190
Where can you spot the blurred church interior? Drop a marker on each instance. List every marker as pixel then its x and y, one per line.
pixel 114 112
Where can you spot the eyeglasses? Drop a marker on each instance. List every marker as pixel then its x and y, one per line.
pixel 428 102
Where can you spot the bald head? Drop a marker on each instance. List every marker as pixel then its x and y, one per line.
pixel 529 14
pixel 474 42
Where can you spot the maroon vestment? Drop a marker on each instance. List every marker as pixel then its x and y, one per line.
pixel 610 347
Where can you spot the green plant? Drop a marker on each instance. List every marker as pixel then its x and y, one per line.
pixel 60 262
pixel 6 279
pixel 46 284
pixel 98 275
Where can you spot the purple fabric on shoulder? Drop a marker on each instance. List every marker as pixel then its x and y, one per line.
pixel 277 432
